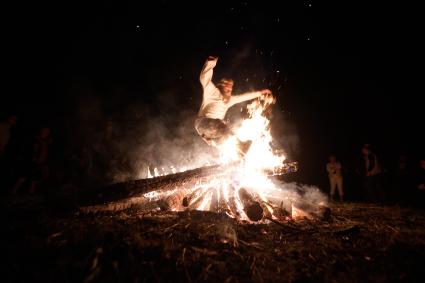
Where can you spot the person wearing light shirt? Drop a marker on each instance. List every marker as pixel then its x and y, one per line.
pixel 217 99
pixel 334 169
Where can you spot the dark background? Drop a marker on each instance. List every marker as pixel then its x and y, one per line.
pixel 344 73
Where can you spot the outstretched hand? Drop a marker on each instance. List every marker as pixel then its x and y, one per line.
pixel 265 92
pixel 267 96
pixel 212 58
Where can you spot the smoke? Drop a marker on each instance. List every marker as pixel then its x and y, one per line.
pixel 170 143
pixel 306 193
pixel 307 197
pixel 160 145
pixel 285 134
pixel 138 139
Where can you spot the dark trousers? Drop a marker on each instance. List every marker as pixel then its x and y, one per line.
pixel 373 188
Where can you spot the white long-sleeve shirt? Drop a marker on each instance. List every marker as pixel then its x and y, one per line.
pixel 212 102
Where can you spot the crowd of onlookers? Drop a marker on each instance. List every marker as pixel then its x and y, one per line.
pixel 370 180
pixel 29 164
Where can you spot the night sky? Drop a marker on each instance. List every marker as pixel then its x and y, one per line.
pixel 343 73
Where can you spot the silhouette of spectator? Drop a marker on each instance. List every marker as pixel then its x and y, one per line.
pixel 371 172
pixel 334 169
pixel 34 167
pixel 5 127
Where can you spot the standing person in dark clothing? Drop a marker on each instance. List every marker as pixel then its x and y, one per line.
pixel 371 172
pixel 34 168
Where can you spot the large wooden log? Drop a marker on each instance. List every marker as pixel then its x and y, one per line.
pixel 136 188
pixel 182 180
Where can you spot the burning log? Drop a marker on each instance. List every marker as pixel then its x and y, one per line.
pixel 252 208
pixel 266 208
pixel 271 210
pixel 187 200
pixel 215 197
pixel 223 205
pixel 198 201
pixel 182 180
pixel 174 201
pixel 232 202
pixel 130 189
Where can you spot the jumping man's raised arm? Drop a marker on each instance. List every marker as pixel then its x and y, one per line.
pixel 207 71
pixel 248 96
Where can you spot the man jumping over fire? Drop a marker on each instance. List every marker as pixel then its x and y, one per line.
pixel 217 99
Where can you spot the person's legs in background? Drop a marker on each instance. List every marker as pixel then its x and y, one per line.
pixel 332 182
pixel 339 183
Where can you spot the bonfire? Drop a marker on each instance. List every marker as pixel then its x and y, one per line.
pixel 241 187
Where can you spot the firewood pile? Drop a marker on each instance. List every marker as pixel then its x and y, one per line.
pixel 179 191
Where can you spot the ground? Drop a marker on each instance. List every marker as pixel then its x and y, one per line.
pixel 44 241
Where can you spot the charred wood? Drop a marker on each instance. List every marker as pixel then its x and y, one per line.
pixel 129 189
pixel 252 208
